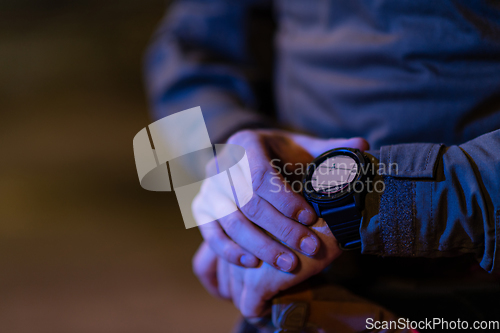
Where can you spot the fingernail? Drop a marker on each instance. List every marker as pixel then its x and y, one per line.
pixel 305 217
pixel 285 262
pixel 247 260
pixel 308 245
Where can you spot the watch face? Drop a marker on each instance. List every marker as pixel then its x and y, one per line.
pixel 334 174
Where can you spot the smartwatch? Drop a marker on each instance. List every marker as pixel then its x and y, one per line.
pixel 335 184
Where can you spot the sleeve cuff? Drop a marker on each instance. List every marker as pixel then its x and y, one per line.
pixel 389 219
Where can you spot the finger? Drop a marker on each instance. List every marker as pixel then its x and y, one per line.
pixel 205 209
pixel 256 241
pixel 223 279
pixel 226 248
pixel 268 183
pixel 293 234
pixel 317 146
pixel 237 274
pixel 358 143
pixel 205 268
pixel 254 301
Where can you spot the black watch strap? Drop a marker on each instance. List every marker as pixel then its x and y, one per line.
pixel 344 222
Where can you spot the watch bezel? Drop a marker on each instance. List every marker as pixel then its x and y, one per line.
pixel 348 190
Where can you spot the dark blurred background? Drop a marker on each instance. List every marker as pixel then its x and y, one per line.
pixel 83 248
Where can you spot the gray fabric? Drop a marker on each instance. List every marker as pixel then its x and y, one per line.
pixel 398 73
pixel 452 213
pixel 417 160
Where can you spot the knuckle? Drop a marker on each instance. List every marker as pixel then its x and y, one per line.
pixel 287 233
pixel 197 206
pixel 199 272
pixel 242 136
pixel 230 253
pixel 253 209
pixel 269 253
pixel 260 176
pixel 247 312
pixel 288 209
pixel 213 239
pixel 231 224
pixel 197 267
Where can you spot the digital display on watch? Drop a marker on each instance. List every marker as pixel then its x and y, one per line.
pixel 334 174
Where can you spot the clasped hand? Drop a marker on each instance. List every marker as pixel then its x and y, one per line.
pixel 274 241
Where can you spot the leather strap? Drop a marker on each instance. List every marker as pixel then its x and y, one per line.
pixel 344 222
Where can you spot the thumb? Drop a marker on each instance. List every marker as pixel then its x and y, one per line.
pixel 316 146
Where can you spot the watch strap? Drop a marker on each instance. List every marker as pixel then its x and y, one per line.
pixel 344 222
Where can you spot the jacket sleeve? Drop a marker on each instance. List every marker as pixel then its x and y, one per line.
pixel 438 201
pixel 202 55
